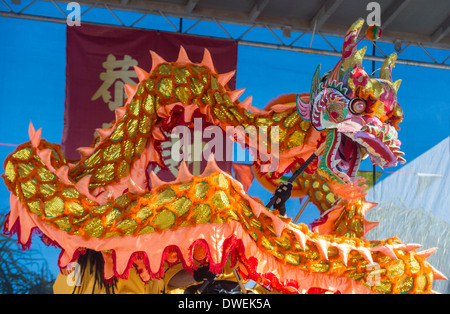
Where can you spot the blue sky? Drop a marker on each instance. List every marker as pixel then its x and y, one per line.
pixel 32 88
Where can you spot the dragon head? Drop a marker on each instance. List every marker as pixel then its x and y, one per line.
pixel 359 113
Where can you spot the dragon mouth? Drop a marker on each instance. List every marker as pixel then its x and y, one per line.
pixel 345 157
pixel 357 138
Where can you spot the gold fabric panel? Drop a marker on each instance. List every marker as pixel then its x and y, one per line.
pixel 35 207
pixel 112 152
pixel 93 160
pixel 384 286
pixel 128 149
pixel 221 181
pixel 201 189
pixel 105 173
pixel 124 169
pixel 256 224
pixel 184 186
pixel 350 234
pixel 10 172
pixel 132 127
pixel 197 69
pixel 218 98
pixel 99 209
pixel 47 189
pixel 165 196
pixel 296 139
pixel 28 188
pixel 165 219
pixel 141 90
pixel 202 213
pixel 293 259
pixel 45 174
pixel 145 125
pixel 236 114
pixel 207 99
pixel 71 193
pixel 414 265
pixel 113 215
pixel 75 208
pixel 291 119
pixel 144 213
pixel 320 267
pixel 25 169
pixel 284 243
pixel 140 145
pixel 396 268
pixel 134 107
pixel 181 75
pixel 149 104
pixel 266 243
pixel 94 227
pixel 79 220
pixel 196 86
pixel 329 198
pixel 181 206
pixel 220 200
pixel 182 93
pixel 165 87
pixel 63 223
pixel 263 122
pixel 119 132
pixel 421 283
pixel 305 125
pixel 405 284
pixel 219 114
pixel 357 225
pixel 128 226
pixel 150 84
pixel 54 207
pixel 23 154
pixel 318 195
pixel 165 69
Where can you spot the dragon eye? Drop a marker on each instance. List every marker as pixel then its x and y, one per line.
pixel 358 106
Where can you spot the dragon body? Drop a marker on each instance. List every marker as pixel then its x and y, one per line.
pixel 106 201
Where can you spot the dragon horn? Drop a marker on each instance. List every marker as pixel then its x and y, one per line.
pixel 347 48
pixel 388 65
pixel 350 38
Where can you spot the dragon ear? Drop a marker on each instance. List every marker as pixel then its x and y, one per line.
pixel 388 65
pixel 397 84
pixel 303 108
pixel 355 59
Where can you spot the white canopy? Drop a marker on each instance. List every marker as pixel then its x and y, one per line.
pixel 414 205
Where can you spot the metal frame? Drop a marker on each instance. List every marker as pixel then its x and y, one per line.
pixel 251 21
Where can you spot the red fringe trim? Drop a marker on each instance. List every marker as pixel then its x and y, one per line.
pixel 15 230
pixel 233 249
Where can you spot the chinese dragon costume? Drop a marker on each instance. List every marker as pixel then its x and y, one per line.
pixel 107 203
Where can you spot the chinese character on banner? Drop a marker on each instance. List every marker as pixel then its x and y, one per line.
pixel 100 61
pixel 116 74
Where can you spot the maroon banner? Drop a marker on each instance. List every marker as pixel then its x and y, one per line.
pixel 100 61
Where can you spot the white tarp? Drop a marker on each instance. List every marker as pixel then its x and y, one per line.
pixel 414 205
